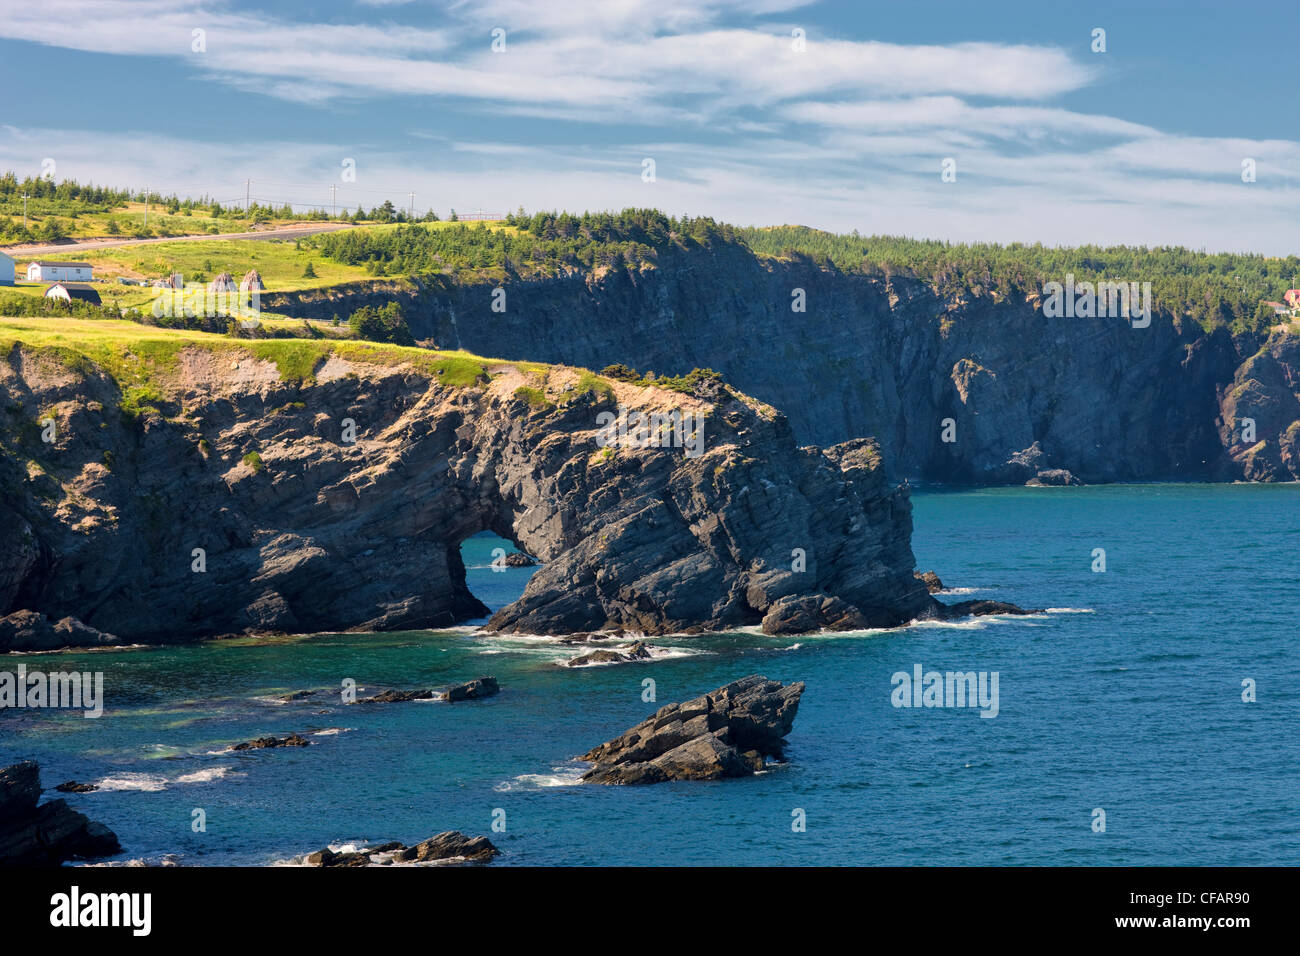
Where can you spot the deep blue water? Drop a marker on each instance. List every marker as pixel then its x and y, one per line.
pixel 1134 706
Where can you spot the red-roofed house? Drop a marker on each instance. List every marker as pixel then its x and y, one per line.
pixel 1292 298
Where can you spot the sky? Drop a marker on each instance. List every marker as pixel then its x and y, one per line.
pixel 837 115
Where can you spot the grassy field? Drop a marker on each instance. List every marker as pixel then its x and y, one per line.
pixel 130 220
pixel 281 263
pixel 145 360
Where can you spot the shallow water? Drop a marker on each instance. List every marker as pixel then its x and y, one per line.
pixel 1126 697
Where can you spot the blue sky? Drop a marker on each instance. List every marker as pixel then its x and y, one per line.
pixel 1051 141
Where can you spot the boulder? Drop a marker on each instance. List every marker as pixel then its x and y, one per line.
pixel 517 559
pixel 49 834
pixel 725 733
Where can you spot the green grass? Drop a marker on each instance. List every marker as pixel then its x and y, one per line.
pixel 281 263
pixel 533 396
pixel 149 357
pixel 254 461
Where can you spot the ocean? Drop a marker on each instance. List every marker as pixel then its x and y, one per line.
pixel 1125 698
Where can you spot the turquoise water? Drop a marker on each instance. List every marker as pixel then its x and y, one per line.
pixel 1126 697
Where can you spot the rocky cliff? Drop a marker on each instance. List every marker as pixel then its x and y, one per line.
pixel 888 358
pixel 242 499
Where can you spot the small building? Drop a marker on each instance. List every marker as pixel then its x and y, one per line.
pixel 1279 308
pixel 67 291
pixel 42 271
pixel 223 283
pixel 173 281
pixel 6 270
pixel 252 282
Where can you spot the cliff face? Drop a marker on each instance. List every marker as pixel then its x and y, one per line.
pixel 239 505
pixel 891 360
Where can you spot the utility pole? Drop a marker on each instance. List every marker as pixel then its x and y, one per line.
pixel 334 193
pixel 146 207
pixel 24 210
pixel 248 186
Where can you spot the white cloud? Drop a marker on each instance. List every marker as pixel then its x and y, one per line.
pixel 846 134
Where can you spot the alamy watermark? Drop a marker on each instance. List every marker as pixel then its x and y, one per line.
pixel 207 300
pixel 923 688
pixel 58 689
pixel 674 429
pixel 1107 299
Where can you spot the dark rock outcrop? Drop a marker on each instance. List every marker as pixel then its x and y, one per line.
pixel 451 845
pixel 267 743
pixel 72 786
pixel 476 689
pixel 517 559
pixel 725 733
pixel 932 582
pixel 313 533
pixel 889 356
pixel 31 631
pixel 45 835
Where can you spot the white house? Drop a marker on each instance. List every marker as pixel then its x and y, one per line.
pixel 40 271
pixel 6 270
pixel 67 291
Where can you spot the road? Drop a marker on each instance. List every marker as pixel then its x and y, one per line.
pixel 78 245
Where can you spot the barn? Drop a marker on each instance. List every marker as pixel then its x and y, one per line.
pixel 42 271
pixel 67 291
pixel 6 270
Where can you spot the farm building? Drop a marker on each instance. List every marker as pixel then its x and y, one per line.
pixel 223 283
pixel 68 291
pixel 252 282
pixel 6 270
pixel 173 281
pixel 41 271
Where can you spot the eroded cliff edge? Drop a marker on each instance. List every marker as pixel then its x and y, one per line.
pixel 234 502
pixel 891 358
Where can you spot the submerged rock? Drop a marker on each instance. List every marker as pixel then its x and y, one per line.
pixel 266 743
pixel 49 834
pixel 297 695
pixel 725 733
pixel 1053 477
pixel 639 651
pixel 398 696
pixel 949 612
pixel 73 787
